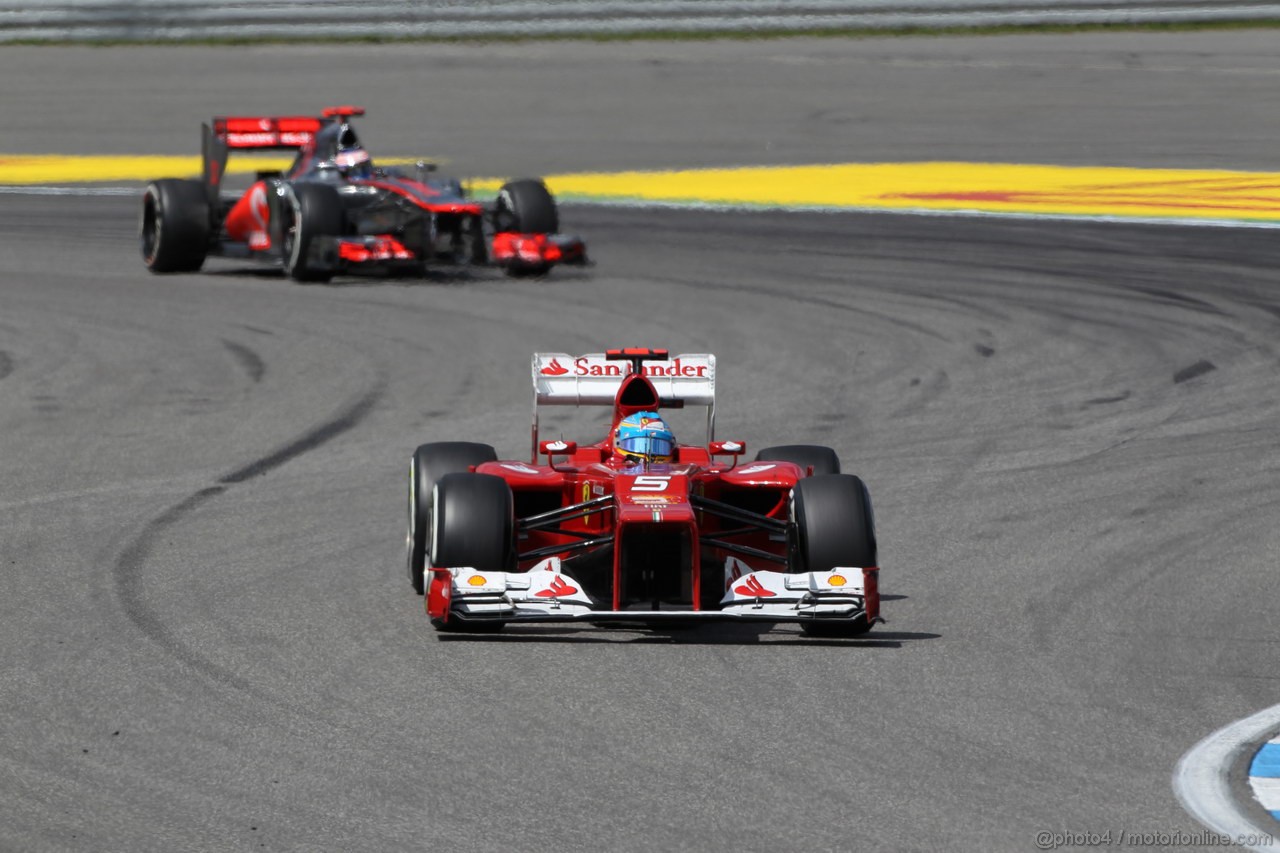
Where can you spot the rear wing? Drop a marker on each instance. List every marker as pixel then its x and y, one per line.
pixel 560 379
pixel 260 133
pixel 249 133
pixel 266 132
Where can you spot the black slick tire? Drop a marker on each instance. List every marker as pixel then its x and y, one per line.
pixel 428 464
pixel 834 526
pixel 173 231
pixel 473 525
pixel 526 207
pixel 309 211
pixel 823 460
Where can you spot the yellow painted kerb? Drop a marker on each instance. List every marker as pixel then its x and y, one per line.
pixel 987 187
pixel 999 188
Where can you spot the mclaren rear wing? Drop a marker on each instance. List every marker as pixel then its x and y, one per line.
pixel 560 379
pixel 251 133
pixel 266 132
pixel 260 133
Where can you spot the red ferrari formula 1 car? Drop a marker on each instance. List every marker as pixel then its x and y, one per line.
pixel 333 212
pixel 638 528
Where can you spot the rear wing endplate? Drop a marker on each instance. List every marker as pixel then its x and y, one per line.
pixel 560 379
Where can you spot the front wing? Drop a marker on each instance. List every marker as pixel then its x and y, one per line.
pixel 547 594
pixel 535 252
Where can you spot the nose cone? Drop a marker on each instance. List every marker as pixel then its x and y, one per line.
pixel 653 495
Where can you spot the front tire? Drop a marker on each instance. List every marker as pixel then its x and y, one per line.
pixel 834 527
pixel 429 463
pixel 473 525
pixel 311 212
pixel 174 229
pixel 823 460
pixel 526 207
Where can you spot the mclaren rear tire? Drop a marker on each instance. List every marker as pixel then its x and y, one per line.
pixel 472 525
pixel 834 527
pixel 310 211
pixel 473 239
pixel 174 229
pixel 428 464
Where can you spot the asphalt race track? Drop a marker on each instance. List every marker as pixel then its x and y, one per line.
pixel 1068 429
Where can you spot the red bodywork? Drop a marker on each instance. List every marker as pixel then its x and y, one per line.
pixel 247 220
pixel 587 533
pixel 609 507
pixel 531 249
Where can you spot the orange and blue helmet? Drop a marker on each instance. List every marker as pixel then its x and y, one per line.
pixel 644 436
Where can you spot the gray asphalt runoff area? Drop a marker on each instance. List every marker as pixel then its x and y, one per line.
pixel 1068 429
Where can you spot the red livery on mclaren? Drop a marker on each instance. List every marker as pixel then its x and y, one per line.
pixel 637 527
pixel 332 211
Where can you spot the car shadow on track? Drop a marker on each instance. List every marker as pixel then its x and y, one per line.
pixel 437 279
pixel 705 635
pixel 431 278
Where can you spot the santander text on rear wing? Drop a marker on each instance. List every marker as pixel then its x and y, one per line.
pixel 560 379
pixel 266 132
pixel 593 379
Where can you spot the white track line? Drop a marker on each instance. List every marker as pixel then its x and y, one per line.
pixel 918 211
pixel 29 189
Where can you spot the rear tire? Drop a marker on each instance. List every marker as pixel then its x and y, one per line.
pixel 173 232
pixel 428 464
pixel 834 527
pixel 310 211
pixel 473 239
pixel 472 524
pixel 823 459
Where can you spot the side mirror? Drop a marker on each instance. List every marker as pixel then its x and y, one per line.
pixel 557 448
pixel 727 448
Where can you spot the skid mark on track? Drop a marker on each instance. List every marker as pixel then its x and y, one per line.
pixel 130 587
pixel 1200 368
pixel 248 359
pixel 1183 299
pixel 1103 401
pixel 6 364
pixel 310 440
pixel 128 569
